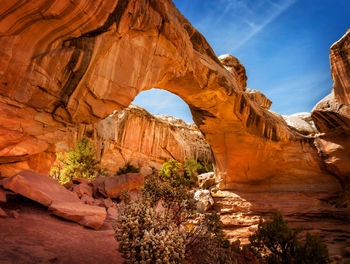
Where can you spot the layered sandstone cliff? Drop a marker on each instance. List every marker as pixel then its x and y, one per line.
pixel 134 135
pixel 332 115
pixel 65 63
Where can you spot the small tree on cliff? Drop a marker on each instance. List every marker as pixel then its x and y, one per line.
pixel 79 162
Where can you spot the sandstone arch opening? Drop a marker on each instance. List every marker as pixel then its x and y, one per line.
pixel 162 102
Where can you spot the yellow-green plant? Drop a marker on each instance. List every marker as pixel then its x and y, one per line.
pixel 178 174
pixel 79 162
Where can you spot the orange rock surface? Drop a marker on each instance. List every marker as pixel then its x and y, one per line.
pixel 332 115
pixel 134 135
pixel 48 192
pixel 68 62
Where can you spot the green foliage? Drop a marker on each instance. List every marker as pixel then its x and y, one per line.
pixel 128 168
pixel 277 243
pixel 209 243
pixel 79 162
pixel 158 228
pixel 206 167
pixel 178 202
pixel 178 174
pixel 170 172
pixel 313 251
pixel 146 235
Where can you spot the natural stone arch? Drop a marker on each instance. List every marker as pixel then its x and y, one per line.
pixel 67 63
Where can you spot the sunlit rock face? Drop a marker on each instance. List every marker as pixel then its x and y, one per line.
pixel 68 62
pixel 332 114
pixel 134 135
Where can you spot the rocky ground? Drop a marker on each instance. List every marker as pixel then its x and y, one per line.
pixel 312 211
pixel 31 235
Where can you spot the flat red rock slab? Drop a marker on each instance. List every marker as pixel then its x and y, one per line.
pixel 86 215
pixel 38 237
pixel 38 187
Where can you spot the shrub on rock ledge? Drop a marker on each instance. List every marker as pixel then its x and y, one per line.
pixel 184 174
pixel 277 243
pixel 163 227
pixel 79 162
pixel 128 168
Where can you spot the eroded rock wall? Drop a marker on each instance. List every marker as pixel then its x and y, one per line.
pixel 69 62
pixel 332 115
pixel 134 135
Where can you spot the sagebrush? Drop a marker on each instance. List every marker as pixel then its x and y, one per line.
pixel 160 227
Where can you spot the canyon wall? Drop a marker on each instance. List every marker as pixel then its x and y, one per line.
pixel 332 115
pixel 64 63
pixel 134 135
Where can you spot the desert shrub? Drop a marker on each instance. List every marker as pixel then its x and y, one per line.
pixel 178 202
pixel 206 167
pixel 79 162
pixel 146 235
pixel 208 243
pixel 128 168
pixel 178 174
pixel 159 228
pixel 277 243
pixel 170 172
pixel 191 168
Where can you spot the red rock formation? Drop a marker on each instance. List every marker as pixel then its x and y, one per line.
pixel 75 62
pixel 332 115
pixel 38 237
pixel 50 193
pixel 133 135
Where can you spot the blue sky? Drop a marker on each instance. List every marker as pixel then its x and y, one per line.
pixel 283 44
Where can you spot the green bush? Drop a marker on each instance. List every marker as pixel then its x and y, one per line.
pixel 146 235
pixel 178 174
pixel 79 162
pixel 158 228
pixel 277 243
pixel 128 168
pixel 206 167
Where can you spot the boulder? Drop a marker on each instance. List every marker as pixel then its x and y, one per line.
pixel 86 215
pixel 204 200
pixel 113 185
pixel 38 187
pixel 86 199
pixel 146 171
pixel 50 193
pixel 112 213
pixel 206 180
pixel 108 203
pixel 82 189
pixel 301 122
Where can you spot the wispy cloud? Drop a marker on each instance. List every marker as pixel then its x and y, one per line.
pixel 277 10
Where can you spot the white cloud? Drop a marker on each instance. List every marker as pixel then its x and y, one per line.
pixel 265 20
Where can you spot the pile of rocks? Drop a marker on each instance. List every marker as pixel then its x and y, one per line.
pixel 83 201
